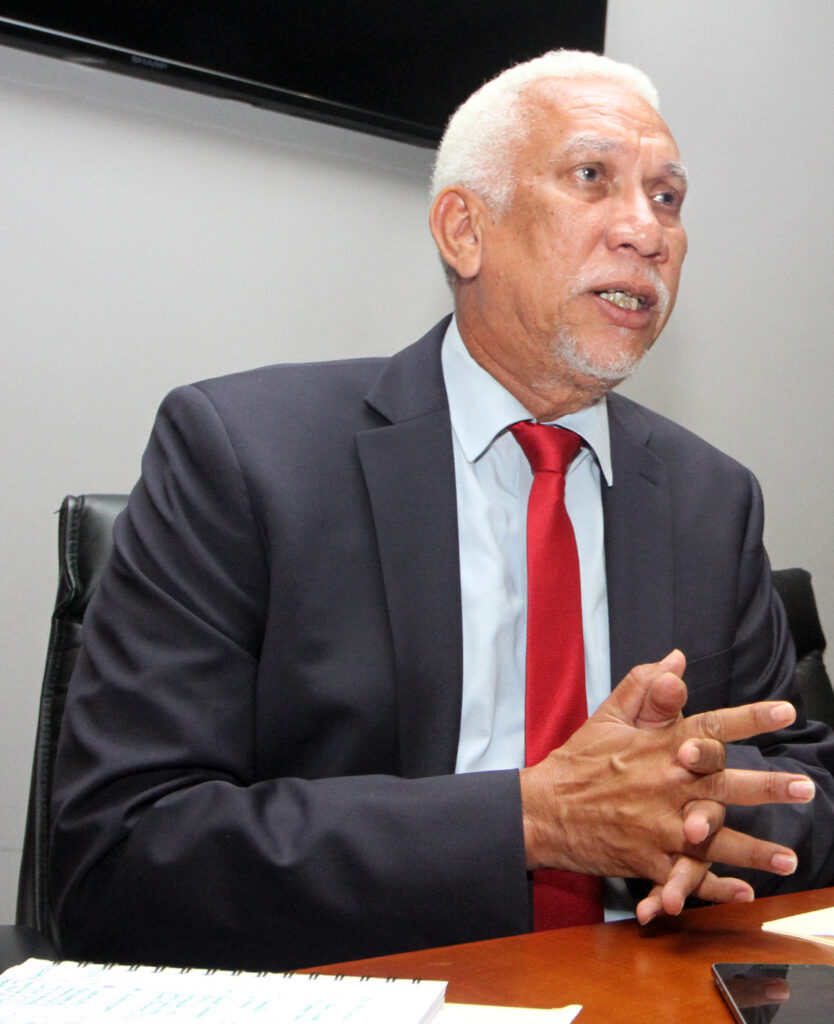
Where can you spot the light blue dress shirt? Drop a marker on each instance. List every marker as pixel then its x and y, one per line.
pixel 493 480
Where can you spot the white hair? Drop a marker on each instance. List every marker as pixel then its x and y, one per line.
pixel 477 145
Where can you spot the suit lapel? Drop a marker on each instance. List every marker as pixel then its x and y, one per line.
pixel 408 465
pixel 638 544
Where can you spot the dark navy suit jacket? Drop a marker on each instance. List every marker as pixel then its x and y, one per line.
pixel 256 768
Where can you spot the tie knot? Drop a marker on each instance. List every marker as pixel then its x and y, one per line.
pixel 548 449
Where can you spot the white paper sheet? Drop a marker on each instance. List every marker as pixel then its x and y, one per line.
pixel 464 1013
pixel 816 925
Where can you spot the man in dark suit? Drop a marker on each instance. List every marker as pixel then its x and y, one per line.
pixel 295 734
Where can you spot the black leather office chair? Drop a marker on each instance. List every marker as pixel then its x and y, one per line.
pixel 84 544
pixel 794 587
pixel 85 537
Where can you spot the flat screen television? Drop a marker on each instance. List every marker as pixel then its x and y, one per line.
pixel 396 69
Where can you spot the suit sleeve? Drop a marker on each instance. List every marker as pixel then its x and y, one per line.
pixel 763 668
pixel 168 845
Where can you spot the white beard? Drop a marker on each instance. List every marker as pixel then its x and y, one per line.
pixel 606 370
pixel 601 372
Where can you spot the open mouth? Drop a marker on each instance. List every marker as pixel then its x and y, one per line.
pixel 624 300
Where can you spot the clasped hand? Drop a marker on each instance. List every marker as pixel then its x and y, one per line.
pixel 640 791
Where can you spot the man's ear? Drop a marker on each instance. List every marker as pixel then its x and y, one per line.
pixel 456 220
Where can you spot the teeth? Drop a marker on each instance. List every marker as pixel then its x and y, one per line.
pixel 625 300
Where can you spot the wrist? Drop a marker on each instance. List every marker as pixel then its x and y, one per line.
pixel 540 825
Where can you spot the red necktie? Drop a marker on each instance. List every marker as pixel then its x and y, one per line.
pixel 555 703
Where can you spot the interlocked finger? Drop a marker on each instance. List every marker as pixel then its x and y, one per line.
pixel 741 850
pixel 728 724
pixel 691 877
pixel 702 755
pixel 702 819
pixel 749 788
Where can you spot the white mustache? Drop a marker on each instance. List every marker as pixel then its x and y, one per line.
pixel 646 277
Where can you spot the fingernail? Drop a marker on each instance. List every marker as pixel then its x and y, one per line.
pixel 743 896
pixel 783 863
pixel 701 831
pixel 802 789
pixel 782 714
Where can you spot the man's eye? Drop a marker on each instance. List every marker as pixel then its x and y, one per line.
pixel 670 199
pixel 588 173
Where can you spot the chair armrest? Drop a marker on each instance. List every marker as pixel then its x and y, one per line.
pixel 18 944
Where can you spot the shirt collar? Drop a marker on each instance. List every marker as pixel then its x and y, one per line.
pixel 480 408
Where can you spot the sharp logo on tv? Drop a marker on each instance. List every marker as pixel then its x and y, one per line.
pixel 149 62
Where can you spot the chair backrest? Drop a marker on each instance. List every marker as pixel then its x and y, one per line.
pixel 797 593
pixel 85 538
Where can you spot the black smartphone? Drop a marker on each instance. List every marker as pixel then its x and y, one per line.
pixel 785 993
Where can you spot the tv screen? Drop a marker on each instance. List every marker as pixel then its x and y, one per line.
pixel 396 69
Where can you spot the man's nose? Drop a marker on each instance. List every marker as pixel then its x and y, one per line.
pixel 634 224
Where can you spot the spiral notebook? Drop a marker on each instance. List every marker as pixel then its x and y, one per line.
pixel 63 992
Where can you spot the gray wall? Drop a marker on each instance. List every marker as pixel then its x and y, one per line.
pixel 153 237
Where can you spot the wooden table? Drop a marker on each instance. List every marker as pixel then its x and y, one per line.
pixel 619 972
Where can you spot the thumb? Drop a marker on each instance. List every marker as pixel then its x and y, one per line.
pixel 650 696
